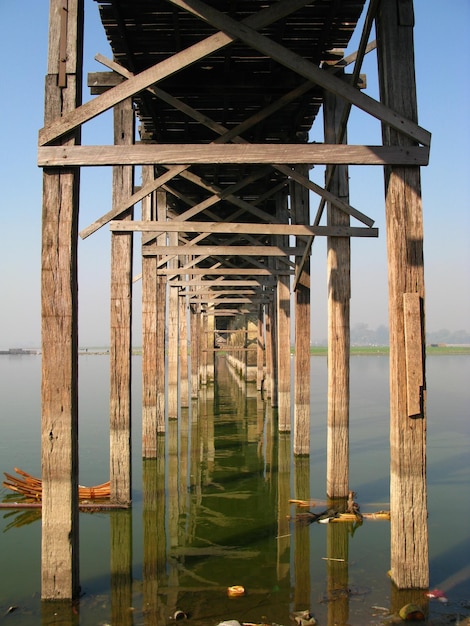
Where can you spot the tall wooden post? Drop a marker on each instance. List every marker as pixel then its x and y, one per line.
pixel 408 497
pixel 149 335
pixel 300 213
pixel 260 349
pixel 339 293
pixel 173 336
pixel 161 301
pixel 195 336
pixel 283 328
pixel 183 355
pixel 59 392
pixel 121 319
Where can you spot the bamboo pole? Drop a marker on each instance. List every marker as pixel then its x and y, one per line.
pixel 339 293
pixel 59 296
pixel 121 319
pixel 408 494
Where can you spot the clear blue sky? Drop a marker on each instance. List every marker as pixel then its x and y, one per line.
pixel 442 61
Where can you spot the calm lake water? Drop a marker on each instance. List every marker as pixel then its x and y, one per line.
pixel 213 510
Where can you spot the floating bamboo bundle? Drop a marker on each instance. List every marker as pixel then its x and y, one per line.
pixel 31 487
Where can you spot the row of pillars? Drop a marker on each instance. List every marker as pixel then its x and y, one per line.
pixel 60 322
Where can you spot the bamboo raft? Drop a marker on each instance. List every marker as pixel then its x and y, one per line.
pixel 31 487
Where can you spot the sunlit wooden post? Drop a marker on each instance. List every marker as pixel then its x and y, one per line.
pixel 408 495
pixel 195 330
pixel 173 336
pixel 339 293
pixel 301 215
pixel 283 327
pixel 149 335
pixel 260 349
pixel 59 295
pixel 121 318
pixel 183 355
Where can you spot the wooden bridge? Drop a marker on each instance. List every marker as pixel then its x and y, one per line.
pixel 225 94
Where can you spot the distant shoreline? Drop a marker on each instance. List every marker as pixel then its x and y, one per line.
pixel 431 350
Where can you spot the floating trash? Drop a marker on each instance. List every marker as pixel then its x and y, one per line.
pixel 235 591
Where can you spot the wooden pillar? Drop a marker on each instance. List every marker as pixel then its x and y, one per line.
pixel 408 497
pixel 300 214
pixel 183 355
pixel 59 391
pixel 339 293
pixel 283 328
pixel 149 335
pixel 121 318
pixel 161 304
pixel 260 350
pixel 210 343
pixel 173 337
pixel 204 346
pixel 194 322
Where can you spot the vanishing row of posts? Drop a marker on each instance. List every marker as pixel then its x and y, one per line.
pixel 164 317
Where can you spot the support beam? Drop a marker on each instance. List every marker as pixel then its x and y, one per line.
pixel 404 221
pixel 59 298
pixel 120 354
pixel 339 293
pixel 176 154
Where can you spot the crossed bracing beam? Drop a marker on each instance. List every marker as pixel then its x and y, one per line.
pixel 229 147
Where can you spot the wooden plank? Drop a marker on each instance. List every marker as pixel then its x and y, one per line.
pixel 306 69
pixel 242 228
pixel 221 250
pixel 59 127
pixel 227 271
pixel 412 312
pixel 174 154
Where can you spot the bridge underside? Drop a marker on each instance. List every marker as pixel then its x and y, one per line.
pixel 213 108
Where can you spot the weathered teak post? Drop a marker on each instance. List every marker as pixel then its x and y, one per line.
pixel 59 392
pixel 121 318
pixel 408 498
pixel 173 336
pixel 283 327
pixel 300 213
pixel 195 336
pixel 183 355
pixel 339 293
pixel 260 343
pixel 149 334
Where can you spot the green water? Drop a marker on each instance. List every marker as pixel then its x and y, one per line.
pixel 213 510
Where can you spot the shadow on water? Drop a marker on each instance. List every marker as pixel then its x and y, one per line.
pixel 212 511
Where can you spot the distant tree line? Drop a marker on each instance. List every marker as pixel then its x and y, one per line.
pixel 362 335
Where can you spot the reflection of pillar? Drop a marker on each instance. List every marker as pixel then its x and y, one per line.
pixel 302 537
pixel 59 613
pixel 154 545
pixel 173 510
pixel 337 552
pixel 401 597
pixel 283 507
pixel 121 567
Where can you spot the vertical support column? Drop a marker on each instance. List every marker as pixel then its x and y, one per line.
pixel 183 356
pixel 59 310
pixel 300 213
pixel 408 496
pixel 161 303
pixel 173 336
pixel 149 335
pixel 260 350
pixel 210 343
pixel 283 327
pixel 121 319
pixel 339 293
pixel 195 330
